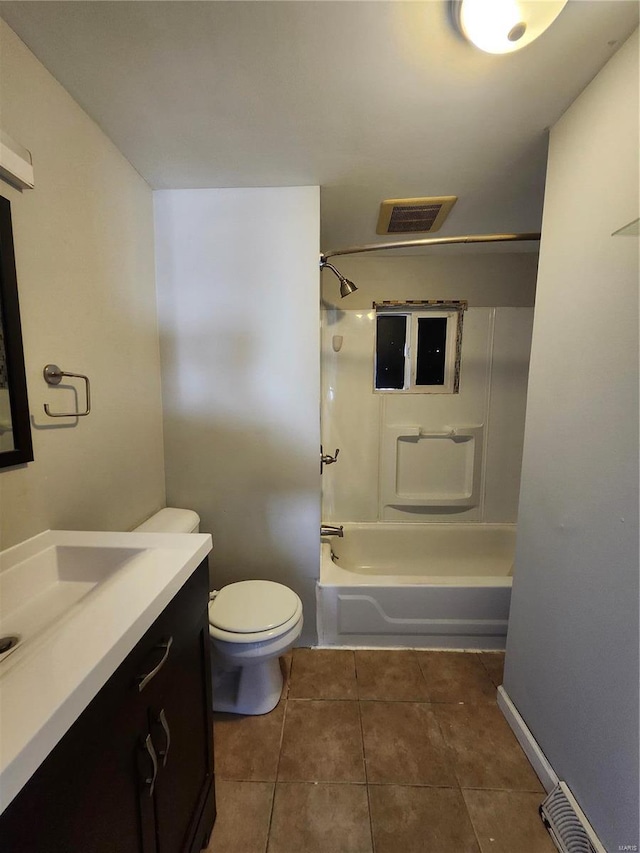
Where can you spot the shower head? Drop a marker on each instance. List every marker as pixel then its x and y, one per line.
pixel 346 286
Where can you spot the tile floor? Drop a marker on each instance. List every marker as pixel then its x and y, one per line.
pixel 378 752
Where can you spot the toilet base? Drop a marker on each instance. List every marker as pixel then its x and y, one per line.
pixel 252 690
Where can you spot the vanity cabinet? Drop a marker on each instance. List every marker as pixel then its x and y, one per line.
pixel 134 774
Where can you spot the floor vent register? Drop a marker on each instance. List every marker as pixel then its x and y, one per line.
pixel 567 823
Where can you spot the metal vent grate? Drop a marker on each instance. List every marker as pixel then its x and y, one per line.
pixel 418 218
pixel 567 823
pixel 407 215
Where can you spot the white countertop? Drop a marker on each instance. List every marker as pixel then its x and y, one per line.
pixel 47 683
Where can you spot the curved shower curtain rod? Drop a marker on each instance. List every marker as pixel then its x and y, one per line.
pixel 431 241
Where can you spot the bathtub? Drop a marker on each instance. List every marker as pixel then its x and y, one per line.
pixel 442 586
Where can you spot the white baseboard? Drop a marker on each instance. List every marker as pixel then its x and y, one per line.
pixel 536 756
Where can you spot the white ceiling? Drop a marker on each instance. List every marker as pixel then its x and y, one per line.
pixel 370 100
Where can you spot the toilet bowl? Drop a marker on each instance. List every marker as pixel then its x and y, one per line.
pixel 251 624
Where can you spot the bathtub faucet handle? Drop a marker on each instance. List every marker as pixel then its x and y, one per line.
pixel 327 459
pixel 331 530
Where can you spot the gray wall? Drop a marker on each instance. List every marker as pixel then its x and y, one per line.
pixel 239 317
pixel 572 648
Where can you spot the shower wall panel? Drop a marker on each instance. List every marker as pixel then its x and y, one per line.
pixel 355 418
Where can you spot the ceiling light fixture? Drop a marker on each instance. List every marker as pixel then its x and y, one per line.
pixel 503 26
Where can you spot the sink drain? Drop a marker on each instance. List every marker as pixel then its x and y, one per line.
pixel 8 643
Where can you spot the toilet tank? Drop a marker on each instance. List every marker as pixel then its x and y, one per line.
pixel 171 520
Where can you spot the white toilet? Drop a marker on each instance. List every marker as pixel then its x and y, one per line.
pixel 251 624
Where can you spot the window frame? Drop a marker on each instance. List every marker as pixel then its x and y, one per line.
pixel 453 312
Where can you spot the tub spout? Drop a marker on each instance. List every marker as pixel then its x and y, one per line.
pixel 331 530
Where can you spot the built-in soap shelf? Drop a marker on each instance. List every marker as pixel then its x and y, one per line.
pixel 431 468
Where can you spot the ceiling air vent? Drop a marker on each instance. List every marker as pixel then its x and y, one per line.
pixel 408 215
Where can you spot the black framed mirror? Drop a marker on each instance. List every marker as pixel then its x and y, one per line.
pixel 15 433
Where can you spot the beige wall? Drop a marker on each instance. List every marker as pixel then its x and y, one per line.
pixel 85 264
pixel 483 278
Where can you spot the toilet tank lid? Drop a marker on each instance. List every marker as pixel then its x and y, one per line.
pixel 171 520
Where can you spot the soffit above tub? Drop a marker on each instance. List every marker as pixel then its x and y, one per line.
pixel 369 100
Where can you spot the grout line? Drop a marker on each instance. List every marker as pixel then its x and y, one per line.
pixel 424 678
pixel 364 754
pixel 366 778
pixel 495 790
pixel 486 669
pixel 449 748
pixel 273 797
pixel 414 785
pixel 487 414
pixel 355 669
pixel 417 701
pixel 284 717
pixel 473 826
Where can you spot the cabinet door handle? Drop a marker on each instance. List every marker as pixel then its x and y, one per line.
pixel 145 679
pixel 151 781
pixel 164 753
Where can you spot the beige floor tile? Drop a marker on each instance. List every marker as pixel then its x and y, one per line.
pixel 416 820
pixel 323 674
pixel 322 742
pixel 456 677
pixel 242 821
pixel 506 821
pixel 247 748
pixel 487 755
pixel 320 818
pixel 403 745
pixel 493 662
pixel 390 676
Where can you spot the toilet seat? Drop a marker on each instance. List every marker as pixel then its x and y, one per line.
pixel 253 611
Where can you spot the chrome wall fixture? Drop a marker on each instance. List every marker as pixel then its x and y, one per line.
pixel 347 287
pixel 327 459
pixel 53 376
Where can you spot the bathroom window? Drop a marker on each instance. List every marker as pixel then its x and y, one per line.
pixel 418 347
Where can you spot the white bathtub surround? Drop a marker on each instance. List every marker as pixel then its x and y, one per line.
pixel 416 585
pixel 447 458
pixel 78 630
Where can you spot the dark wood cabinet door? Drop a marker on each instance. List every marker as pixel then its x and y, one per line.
pixel 88 795
pixel 179 720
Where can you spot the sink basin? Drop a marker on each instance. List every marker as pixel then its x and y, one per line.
pixel 40 590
